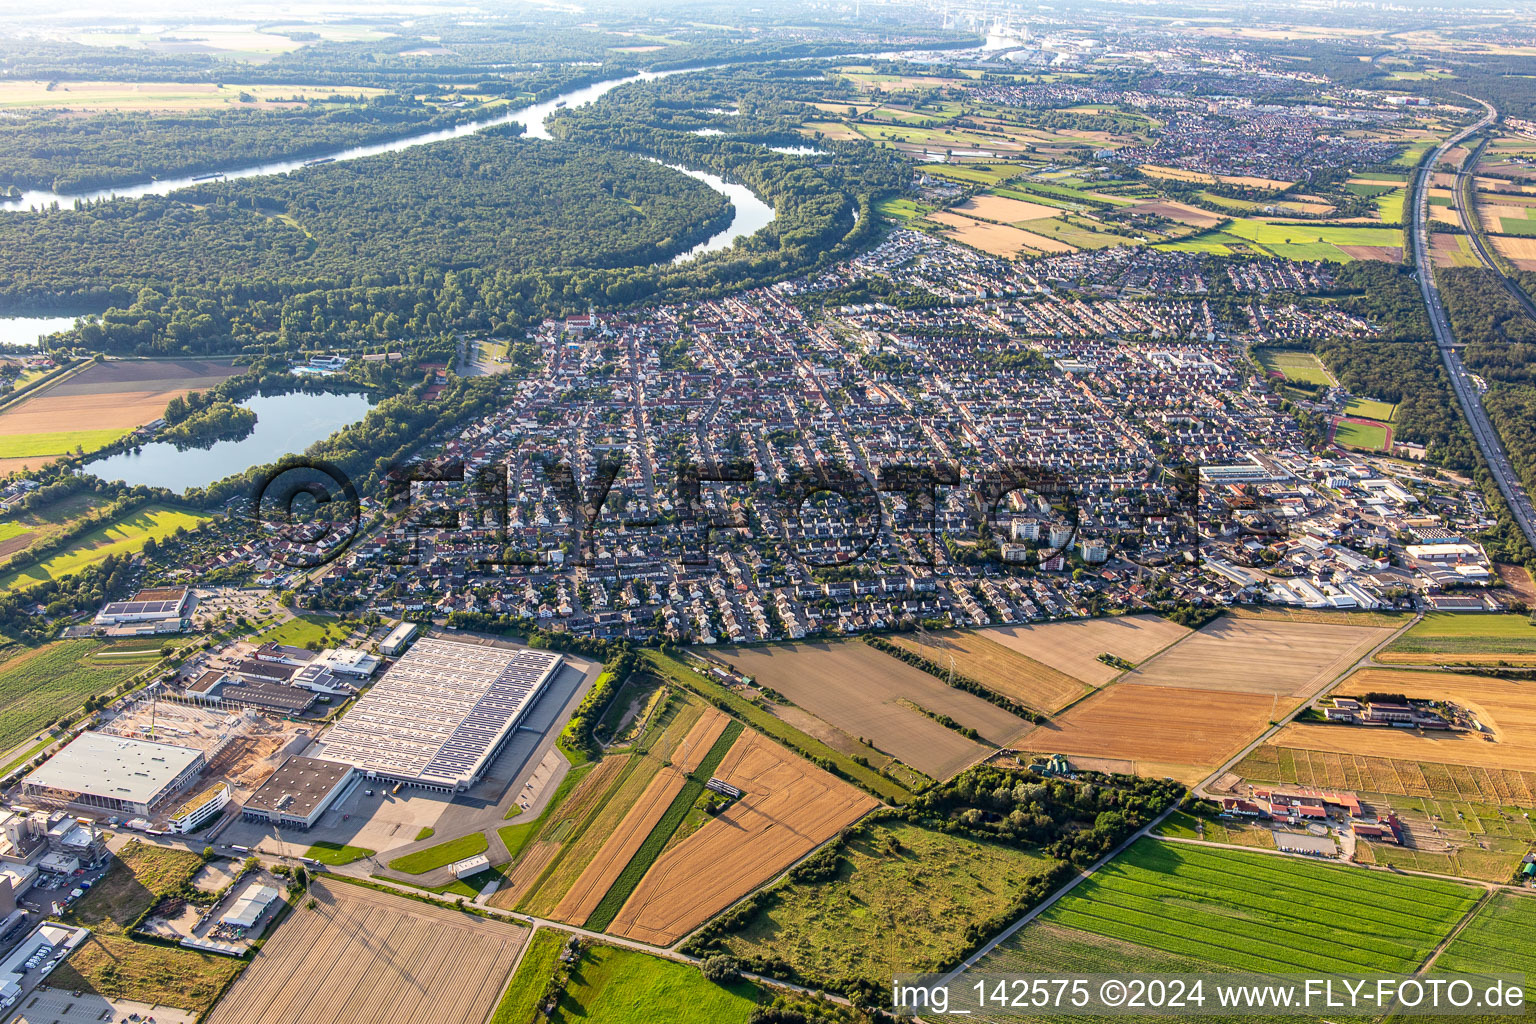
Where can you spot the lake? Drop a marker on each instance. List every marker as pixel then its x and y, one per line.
pixel 285 425
pixel 29 330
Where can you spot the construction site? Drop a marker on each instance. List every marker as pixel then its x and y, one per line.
pixel 242 748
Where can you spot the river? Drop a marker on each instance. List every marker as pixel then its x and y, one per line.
pixel 752 214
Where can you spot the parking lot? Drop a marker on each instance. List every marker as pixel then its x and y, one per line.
pixel 57 1006
pixel 48 889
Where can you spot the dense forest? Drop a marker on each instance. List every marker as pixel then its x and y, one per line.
pixel 274 264
pixel 68 153
pixel 487 200
pixel 1411 376
pixel 1499 335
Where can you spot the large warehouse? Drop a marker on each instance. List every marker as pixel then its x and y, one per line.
pixel 441 714
pixel 166 605
pixel 119 774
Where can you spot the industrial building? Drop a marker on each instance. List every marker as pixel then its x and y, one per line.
pixel 398 640
pixel 298 793
pixel 115 773
pixel 166 605
pixel 441 714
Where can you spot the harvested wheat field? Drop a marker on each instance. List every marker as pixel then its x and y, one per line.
pixel 1379 253
pixel 1073 647
pixel 1165 730
pixel 997 239
pixel 789 808
pixel 1009 211
pixel 699 739
pixel 1260 656
pixel 1014 675
pixel 114 395
pixel 593 884
pixel 858 689
pixel 540 853
pixel 1180 213
pixel 1519 251
pixel 363 956
pixel 1505 707
pixel 583 835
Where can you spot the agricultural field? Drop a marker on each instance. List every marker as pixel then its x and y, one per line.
pixel 1175 731
pixel 620 847
pixel 1449 637
pixel 622 986
pixel 386 957
pixel 799 730
pixel 789 807
pixel 1368 773
pixel 579 830
pixel 995 239
pixel 1260 656
pixel 112 964
pixel 114 397
pixel 1500 938
pixel 858 689
pixel 1253 912
pixel 20 530
pixel 866 922
pixel 1519 250
pixel 1505 708
pixel 1073 647
pixel 999 668
pixel 38 685
pixel 103 96
pixel 1339 243
pixel 1181 825
pixel 534 845
pixel 124 536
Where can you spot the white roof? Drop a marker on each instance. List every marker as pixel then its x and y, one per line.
pixel 442 710
pixel 250 906
pixel 114 766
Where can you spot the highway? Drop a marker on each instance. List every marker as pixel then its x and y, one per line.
pixel 1471 402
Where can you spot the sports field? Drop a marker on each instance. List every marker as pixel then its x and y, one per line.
pixel 1015 675
pixel 1362 434
pixel 1260 656
pixel 1443 637
pixel 1073 647
pixel 385 957
pixel 859 690
pixel 1293 365
pixel 124 536
pixel 789 807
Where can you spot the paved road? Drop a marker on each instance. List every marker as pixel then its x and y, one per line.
pixel 1466 393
